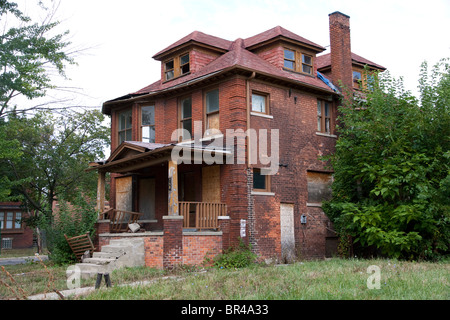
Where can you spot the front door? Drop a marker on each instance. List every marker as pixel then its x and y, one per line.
pixel 147 198
pixel 124 193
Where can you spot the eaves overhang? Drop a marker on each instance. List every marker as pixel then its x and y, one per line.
pixel 236 69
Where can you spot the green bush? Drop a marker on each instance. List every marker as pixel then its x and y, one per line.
pixel 72 220
pixel 239 256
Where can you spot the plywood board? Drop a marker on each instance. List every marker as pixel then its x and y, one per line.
pixel 211 184
pixel 124 195
pixel 287 232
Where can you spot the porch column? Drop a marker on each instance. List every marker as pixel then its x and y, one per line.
pixel 173 189
pixel 101 192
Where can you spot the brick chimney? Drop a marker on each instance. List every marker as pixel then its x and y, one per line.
pixel 341 58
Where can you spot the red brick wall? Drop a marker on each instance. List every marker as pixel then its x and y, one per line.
pixel 154 246
pixel 299 149
pixel 198 247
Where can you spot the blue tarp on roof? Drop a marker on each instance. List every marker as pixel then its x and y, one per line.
pixel 327 82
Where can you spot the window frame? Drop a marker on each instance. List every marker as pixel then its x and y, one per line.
pixel 298 60
pixel 181 119
pixel 266 181
pixel 141 126
pixel 119 130
pixel 211 113
pixel 4 220
pixel 177 69
pixel 266 102
pixel 184 64
pixel 167 71
pixel 323 117
pixel 290 60
pixel 306 64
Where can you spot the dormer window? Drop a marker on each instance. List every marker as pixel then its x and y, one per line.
pixel 307 66
pixel 289 59
pixel 184 64
pixel 169 70
pixel 176 67
pixel 298 61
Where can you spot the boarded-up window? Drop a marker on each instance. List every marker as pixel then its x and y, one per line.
pixel 211 184
pixel 319 186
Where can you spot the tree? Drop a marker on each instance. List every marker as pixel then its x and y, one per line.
pixel 29 53
pixel 52 153
pixel 391 188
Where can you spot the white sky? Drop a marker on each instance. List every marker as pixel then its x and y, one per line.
pixel 124 35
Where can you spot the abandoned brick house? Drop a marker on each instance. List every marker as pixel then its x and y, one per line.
pixel 14 233
pixel 275 80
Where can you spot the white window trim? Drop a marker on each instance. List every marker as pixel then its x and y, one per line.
pixel 260 114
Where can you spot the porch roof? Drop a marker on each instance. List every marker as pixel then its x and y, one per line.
pixel 134 155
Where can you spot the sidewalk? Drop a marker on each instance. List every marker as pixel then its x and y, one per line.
pixel 20 260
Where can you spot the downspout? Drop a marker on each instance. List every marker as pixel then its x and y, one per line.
pixel 248 117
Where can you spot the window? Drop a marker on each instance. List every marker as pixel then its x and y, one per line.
pixel 177 66
pixel 186 117
pixel 319 186
pixel 323 116
pixel 148 124
pixel 260 182
pixel 298 61
pixel 169 70
pixel 184 64
pixel 125 121
pixel 307 66
pixel 212 111
pixel 259 103
pixel 289 59
pixel 10 220
pixel 357 79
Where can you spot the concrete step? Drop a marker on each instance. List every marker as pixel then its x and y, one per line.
pixel 113 248
pixel 106 255
pixel 100 261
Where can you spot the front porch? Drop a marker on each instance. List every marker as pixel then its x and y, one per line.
pixel 177 206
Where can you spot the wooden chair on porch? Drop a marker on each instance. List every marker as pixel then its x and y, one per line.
pixel 120 219
pixel 81 244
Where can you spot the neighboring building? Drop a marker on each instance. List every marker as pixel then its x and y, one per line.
pixel 14 233
pixel 275 80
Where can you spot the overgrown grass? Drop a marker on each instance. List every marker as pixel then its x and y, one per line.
pixel 325 280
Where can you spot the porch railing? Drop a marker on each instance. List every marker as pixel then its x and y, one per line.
pixel 120 219
pixel 201 215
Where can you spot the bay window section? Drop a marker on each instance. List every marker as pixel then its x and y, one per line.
pixel 148 124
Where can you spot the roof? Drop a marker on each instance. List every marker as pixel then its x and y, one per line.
pixel 199 37
pixel 237 56
pixel 279 32
pixel 324 61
